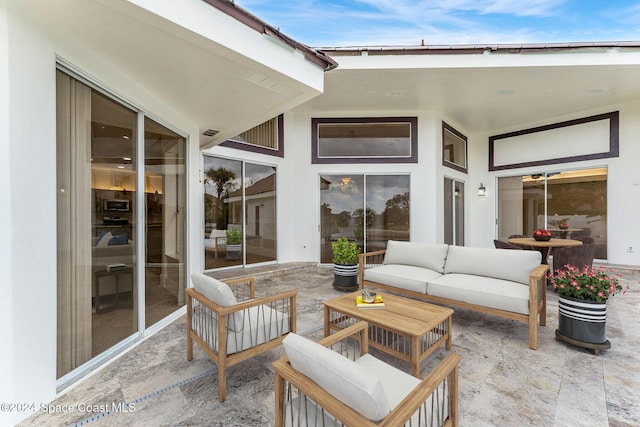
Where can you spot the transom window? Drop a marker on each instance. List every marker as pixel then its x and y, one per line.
pixel 454 148
pixel 365 140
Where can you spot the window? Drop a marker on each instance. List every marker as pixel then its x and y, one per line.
pixel 266 138
pixel 454 148
pixel 364 140
pixel 367 209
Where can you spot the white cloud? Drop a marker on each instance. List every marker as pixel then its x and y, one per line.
pixel 407 22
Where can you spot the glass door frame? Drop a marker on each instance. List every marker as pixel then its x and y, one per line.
pixel 244 219
pixel 89 366
pixel 456 222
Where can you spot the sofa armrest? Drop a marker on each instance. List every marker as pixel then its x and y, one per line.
pixel 538 284
pixel 369 260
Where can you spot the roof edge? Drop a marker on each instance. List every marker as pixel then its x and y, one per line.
pixel 476 49
pixel 315 56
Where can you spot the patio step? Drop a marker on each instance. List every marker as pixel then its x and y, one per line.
pixel 272 270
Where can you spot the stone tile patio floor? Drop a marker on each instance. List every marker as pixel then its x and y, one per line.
pixel 502 382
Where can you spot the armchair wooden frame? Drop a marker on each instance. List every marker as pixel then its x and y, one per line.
pixel 217 317
pixel 289 383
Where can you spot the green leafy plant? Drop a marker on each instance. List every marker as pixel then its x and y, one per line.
pixel 344 252
pixel 234 237
pixel 590 283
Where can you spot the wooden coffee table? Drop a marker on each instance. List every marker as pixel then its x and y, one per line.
pixel 408 329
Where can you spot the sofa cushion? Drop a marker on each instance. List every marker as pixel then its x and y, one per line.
pixel 104 239
pixel 407 277
pixel 485 291
pixel 515 266
pixel 354 385
pixel 220 293
pixel 121 239
pixel 431 256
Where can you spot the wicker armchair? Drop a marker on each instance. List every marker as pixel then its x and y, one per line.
pixel 231 330
pixel 358 389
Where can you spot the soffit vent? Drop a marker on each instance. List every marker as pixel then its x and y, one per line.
pixel 210 132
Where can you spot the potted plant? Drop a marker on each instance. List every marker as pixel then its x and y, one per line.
pixel 345 264
pixel 582 304
pixel 234 243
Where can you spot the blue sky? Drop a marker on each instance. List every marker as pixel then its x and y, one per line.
pixel 334 23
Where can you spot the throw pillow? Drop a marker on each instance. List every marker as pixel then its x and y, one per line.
pixel 104 239
pixel 121 239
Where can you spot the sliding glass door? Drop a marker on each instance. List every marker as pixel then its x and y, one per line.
pixel 576 199
pixel 165 221
pixel 102 197
pixel 453 212
pixel 239 213
pixel 367 209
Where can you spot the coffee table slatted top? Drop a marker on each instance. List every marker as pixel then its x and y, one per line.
pixel 427 326
pixel 399 313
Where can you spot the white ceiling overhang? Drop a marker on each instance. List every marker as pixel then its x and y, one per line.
pixel 482 90
pixel 203 63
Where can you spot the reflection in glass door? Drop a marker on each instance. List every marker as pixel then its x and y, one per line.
pixel 367 209
pixel 239 213
pixel 342 211
pixel 96 235
pixel 576 199
pixel 260 209
pixel 164 189
pixel 100 199
pixel 222 212
pixel 453 212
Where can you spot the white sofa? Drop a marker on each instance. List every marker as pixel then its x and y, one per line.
pixel 501 282
pixel 101 257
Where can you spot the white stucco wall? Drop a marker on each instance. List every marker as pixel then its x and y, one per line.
pixel 299 192
pixel 623 186
pixel 7 332
pixel 28 218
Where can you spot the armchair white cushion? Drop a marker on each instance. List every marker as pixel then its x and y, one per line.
pixel 221 294
pixel 344 379
pixel 231 331
pixel 351 387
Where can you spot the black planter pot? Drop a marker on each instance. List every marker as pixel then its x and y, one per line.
pixel 345 277
pixel 582 320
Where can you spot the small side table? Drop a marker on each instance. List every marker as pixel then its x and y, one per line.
pixel 96 286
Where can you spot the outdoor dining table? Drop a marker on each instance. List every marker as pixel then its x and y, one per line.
pixel 545 247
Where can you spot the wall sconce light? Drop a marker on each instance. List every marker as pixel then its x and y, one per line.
pixel 482 190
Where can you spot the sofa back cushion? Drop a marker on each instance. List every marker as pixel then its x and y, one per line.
pixel 343 378
pixel 502 264
pixel 427 255
pixel 221 294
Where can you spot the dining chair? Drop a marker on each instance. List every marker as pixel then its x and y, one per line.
pixel 499 244
pixel 577 256
pixel 585 240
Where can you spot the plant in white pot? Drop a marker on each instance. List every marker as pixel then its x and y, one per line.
pixel 345 264
pixel 234 243
pixel 582 304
